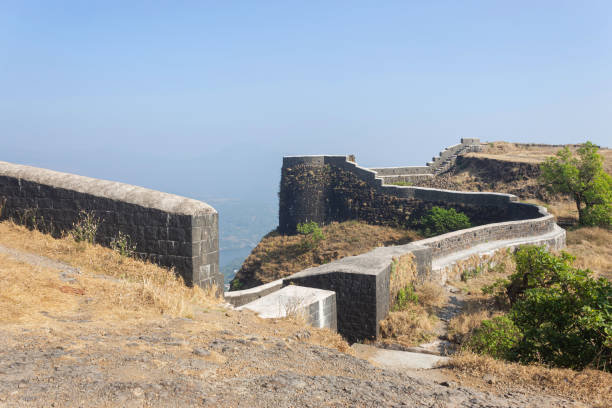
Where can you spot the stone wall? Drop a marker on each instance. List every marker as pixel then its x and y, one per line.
pixel 332 188
pixel 362 296
pixel 167 229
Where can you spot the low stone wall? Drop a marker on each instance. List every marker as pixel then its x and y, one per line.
pixel 396 171
pixel 167 229
pixel 360 294
pixel 242 297
pixel 463 239
pixel 362 283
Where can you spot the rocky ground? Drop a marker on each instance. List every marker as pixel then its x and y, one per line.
pixel 217 357
pixel 172 362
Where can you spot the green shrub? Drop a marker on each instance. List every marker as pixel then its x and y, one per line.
pixel 440 221
pixel 235 284
pixel 406 297
pixel 497 337
pixel 402 183
pixel 600 215
pixel 312 234
pixel 563 315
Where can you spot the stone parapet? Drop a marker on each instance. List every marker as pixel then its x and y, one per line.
pixel 167 229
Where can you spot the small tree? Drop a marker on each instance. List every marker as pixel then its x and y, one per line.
pixel 583 178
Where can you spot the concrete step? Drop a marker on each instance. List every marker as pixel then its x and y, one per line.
pixel 398 360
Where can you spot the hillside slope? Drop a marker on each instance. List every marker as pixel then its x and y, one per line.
pixel 81 325
pixel 277 255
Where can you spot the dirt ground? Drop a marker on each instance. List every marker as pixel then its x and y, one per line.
pixel 62 347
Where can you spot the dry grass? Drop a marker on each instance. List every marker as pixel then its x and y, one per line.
pixel 478 273
pixel 25 291
pixel 140 293
pixel 403 273
pixel 533 154
pixel 277 255
pixel 476 309
pixel 416 322
pixel 592 247
pixel 593 387
pixel 140 287
pixel 408 327
pixel 431 295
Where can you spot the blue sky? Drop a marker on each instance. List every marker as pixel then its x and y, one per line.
pixel 204 98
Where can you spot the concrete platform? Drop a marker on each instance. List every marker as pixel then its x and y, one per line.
pixel 317 306
pixel 398 360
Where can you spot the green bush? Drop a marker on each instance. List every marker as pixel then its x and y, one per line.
pixel 471 273
pixel 600 215
pixel 497 337
pixel 405 297
pixel 563 315
pixel 312 234
pixel 440 221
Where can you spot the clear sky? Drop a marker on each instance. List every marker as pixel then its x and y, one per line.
pixel 204 98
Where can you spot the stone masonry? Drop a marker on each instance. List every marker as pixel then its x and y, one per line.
pixel 167 229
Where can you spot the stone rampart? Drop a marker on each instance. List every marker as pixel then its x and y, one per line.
pixel 167 229
pixel 332 188
pixel 362 284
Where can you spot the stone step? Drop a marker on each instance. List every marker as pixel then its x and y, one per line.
pixel 395 359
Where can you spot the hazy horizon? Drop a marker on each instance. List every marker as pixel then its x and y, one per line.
pixel 203 99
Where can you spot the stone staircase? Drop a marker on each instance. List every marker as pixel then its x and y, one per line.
pixel 438 165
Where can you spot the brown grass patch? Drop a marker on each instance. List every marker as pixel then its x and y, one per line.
pixel 408 327
pixel 431 295
pixel 475 310
pixel 593 387
pixel 592 247
pixel 416 322
pixel 25 291
pixel 278 255
pixel 403 273
pixel 140 286
pixel 477 306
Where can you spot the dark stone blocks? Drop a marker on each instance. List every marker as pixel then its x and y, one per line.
pixel 187 242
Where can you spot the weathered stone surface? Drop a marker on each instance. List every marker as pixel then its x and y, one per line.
pixel 167 229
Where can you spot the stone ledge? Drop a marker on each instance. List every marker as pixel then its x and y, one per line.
pixel 113 190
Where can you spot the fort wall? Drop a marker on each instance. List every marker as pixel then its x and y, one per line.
pixel 167 229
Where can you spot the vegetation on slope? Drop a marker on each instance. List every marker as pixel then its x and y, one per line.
pixel 582 178
pixel 138 288
pixel 113 292
pixel 507 168
pixel 279 255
